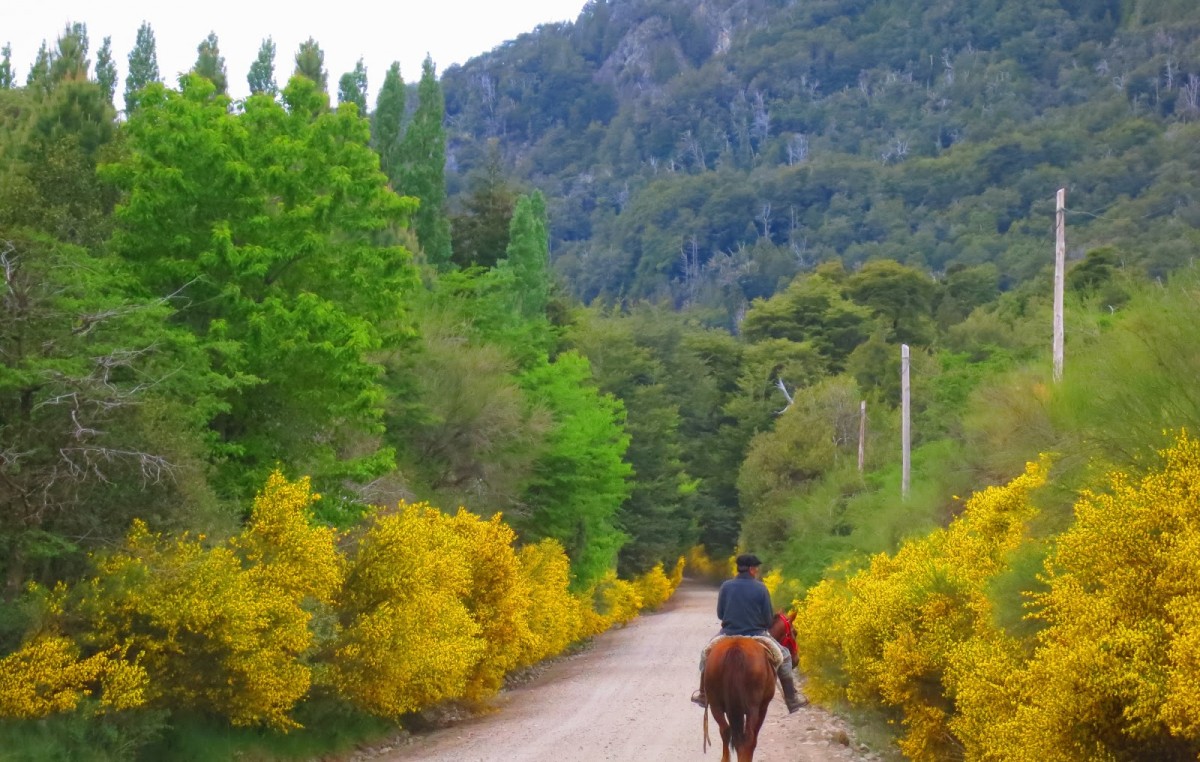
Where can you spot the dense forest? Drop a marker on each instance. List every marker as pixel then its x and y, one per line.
pixel 612 292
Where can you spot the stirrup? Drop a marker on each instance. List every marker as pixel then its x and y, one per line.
pixel 700 699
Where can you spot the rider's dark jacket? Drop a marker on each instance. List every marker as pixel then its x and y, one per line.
pixel 744 606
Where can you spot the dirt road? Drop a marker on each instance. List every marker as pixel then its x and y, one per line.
pixel 626 698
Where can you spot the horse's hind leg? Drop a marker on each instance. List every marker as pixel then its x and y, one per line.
pixel 723 725
pixel 745 750
pixel 754 723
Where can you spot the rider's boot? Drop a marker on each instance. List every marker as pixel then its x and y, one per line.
pixel 793 701
pixel 698 697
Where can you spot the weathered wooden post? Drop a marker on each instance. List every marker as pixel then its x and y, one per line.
pixel 905 433
pixel 862 434
pixel 1060 266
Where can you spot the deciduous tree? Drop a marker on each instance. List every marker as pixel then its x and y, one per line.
pixel 283 244
pixel 581 480
pixel 352 88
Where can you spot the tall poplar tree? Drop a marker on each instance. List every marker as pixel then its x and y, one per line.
pixel 262 72
pixel 38 79
pixel 143 66
pixel 310 62
pixel 7 77
pixel 210 64
pixel 387 122
pixel 106 69
pixel 422 171
pixel 528 255
pixel 352 88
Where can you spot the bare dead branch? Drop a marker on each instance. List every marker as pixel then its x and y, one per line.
pixel 82 431
pixel 786 394
pixel 12 457
pixel 81 461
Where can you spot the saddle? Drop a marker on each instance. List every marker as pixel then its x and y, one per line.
pixel 774 652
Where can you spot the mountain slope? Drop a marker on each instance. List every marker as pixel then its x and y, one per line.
pixel 704 153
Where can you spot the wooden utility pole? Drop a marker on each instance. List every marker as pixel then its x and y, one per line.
pixel 905 432
pixel 862 434
pixel 1060 266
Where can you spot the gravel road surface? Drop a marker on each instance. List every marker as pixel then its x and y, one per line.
pixel 625 698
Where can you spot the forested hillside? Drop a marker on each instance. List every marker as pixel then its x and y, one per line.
pixel 315 413
pixel 705 153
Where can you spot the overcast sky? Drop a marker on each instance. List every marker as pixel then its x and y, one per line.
pixel 451 31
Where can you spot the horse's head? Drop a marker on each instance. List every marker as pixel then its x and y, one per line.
pixel 781 625
pixel 784 632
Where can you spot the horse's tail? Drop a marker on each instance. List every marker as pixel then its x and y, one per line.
pixel 736 702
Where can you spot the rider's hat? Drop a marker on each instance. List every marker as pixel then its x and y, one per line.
pixel 746 560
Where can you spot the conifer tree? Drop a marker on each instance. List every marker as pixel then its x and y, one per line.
pixel 210 64
pixel 262 72
pixel 143 66
pixel 387 121
pixel 7 77
pixel 69 60
pixel 106 69
pixel 481 232
pixel 310 62
pixel 423 167
pixel 352 88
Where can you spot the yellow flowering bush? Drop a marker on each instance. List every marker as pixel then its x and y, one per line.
pixel 556 617
pixel 209 636
pixel 220 629
pixel 615 602
pixel 1116 672
pixel 653 588
pixel 283 549
pixel 773 580
pixel 701 565
pixel 497 598
pixel 47 676
pixel 414 608
pixel 408 638
pixel 891 633
pixel 677 572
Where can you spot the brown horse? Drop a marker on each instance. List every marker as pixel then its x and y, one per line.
pixel 739 682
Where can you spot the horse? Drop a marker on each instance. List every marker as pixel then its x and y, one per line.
pixel 739 682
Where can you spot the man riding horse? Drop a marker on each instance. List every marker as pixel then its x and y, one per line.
pixel 744 608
